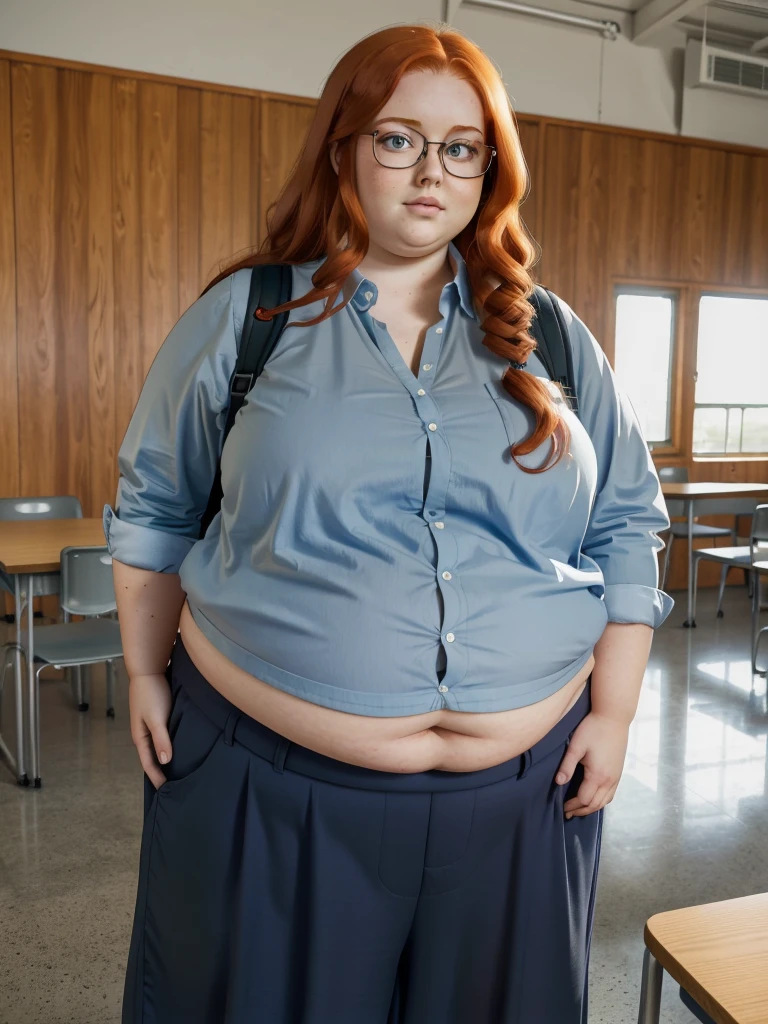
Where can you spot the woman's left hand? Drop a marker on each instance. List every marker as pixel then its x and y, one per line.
pixel 600 744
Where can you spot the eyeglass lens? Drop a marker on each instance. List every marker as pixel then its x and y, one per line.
pixel 402 147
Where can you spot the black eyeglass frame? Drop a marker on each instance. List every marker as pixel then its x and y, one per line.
pixel 425 150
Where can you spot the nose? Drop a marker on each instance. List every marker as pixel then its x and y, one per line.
pixel 430 167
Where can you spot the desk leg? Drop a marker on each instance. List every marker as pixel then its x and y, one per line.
pixel 650 990
pixel 21 777
pixel 32 692
pixel 690 621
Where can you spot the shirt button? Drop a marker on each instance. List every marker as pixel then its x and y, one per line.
pixel 369 295
pixel 421 391
pixel 443 689
pixel 438 330
pixel 447 575
pixel 427 366
pixel 450 637
pixel 439 526
pixel 432 426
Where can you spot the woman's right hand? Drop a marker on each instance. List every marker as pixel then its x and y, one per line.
pixel 149 700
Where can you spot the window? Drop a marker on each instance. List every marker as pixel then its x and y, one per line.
pixel 645 329
pixel 731 398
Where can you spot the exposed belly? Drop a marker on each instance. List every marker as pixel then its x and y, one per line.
pixel 453 741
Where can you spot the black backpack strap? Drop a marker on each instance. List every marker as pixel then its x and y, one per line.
pixel 553 344
pixel 270 287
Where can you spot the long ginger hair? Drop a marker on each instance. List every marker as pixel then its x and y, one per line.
pixel 319 209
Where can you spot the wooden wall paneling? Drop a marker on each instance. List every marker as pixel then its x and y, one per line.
pixel 158 177
pixel 245 173
pixel 628 199
pixel 756 200
pixel 530 210
pixel 255 212
pixel 100 293
pixel 189 208
pixel 126 256
pixel 35 138
pixel 70 451
pixel 216 181
pixel 734 244
pixel 703 209
pixel 284 127
pixel 660 219
pixel 559 228
pixel 9 371
pixel 594 246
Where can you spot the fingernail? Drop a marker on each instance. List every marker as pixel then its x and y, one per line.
pixel 163 758
pixel 568 817
pixel 560 778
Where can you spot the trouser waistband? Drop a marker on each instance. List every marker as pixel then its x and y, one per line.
pixel 285 754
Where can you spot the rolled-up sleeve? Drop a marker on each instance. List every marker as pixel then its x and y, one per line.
pixel 629 510
pixel 168 457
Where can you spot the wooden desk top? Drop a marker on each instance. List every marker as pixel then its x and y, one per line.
pixel 35 545
pixel 719 953
pixel 713 490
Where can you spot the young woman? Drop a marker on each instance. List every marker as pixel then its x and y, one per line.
pixel 412 641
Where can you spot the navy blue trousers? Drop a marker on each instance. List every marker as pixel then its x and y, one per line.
pixel 280 886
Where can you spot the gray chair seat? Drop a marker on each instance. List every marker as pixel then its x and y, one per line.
pixel 78 643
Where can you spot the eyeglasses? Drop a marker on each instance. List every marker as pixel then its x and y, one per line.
pixel 464 158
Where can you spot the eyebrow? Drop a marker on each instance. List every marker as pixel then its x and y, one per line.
pixel 417 124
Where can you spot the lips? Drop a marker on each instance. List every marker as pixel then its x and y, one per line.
pixel 425 202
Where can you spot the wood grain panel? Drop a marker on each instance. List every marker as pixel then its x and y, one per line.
pixel 188 214
pixel 592 255
pixel 158 176
pixel 245 226
pixel 69 349
pixel 559 231
pixel 216 180
pixel 126 255
pixel 9 372
pixel 283 129
pixel 530 139
pixel 100 406
pixel 702 215
pixel 35 137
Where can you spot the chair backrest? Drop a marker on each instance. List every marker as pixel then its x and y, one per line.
pixel 87 587
pixel 758 538
pixel 59 506
pixel 674 474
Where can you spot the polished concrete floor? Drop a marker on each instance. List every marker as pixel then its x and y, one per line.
pixel 689 825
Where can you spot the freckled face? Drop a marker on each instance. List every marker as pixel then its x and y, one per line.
pixel 440 102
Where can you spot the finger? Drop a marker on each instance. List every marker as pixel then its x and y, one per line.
pixel 161 741
pixel 572 756
pixel 594 805
pixel 146 753
pixel 586 795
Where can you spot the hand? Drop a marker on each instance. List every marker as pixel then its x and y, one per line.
pixel 600 744
pixel 149 700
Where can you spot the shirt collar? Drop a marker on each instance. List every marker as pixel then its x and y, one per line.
pixel 362 292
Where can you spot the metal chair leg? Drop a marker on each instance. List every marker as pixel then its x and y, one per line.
pixel 667 560
pixel 721 592
pixel 650 990
pixel 696 563
pixel 110 671
pixel 34 730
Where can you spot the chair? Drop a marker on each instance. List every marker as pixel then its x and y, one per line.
pixel 86 589
pixel 679 475
pixel 742 558
pixel 716 953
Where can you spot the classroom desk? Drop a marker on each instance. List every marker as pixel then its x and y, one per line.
pixel 693 494
pixel 29 547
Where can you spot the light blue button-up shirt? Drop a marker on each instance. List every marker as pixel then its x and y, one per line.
pixel 377 550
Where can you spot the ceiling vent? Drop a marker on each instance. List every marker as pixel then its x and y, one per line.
pixel 715 68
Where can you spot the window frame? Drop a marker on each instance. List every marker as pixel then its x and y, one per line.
pixel 683 358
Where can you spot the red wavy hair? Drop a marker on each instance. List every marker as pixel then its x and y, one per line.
pixel 317 208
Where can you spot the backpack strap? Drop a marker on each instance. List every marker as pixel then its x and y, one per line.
pixel 553 344
pixel 270 287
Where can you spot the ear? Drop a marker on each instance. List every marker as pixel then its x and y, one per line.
pixel 333 152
